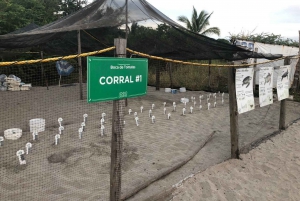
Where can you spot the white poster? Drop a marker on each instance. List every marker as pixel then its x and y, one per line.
pixel 244 89
pixel 266 86
pixel 283 82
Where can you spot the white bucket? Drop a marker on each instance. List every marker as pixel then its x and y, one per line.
pixel 12 133
pixel 182 89
pixel 168 90
pixel 37 125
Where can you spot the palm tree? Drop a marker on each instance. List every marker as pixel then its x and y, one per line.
pixel 199 23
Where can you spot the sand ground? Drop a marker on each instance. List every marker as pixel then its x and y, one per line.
pixel 269 172
pixel 79 169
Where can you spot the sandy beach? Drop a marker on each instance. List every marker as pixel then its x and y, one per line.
pixel 79 169
pixel 269 172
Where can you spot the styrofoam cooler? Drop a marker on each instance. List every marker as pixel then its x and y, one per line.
pixel 37 125
pixel 13 133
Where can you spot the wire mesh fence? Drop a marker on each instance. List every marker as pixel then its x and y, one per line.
pixel 166 139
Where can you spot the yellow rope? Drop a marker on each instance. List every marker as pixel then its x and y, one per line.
pixel 55 58
pixel 134 52
pixel 206 65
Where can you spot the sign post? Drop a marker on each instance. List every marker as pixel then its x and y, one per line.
pixel 116 79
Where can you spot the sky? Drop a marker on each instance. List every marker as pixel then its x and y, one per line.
pixel 236 16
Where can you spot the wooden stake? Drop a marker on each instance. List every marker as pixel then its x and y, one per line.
pixel 255 68
pixel 79 65
pixel 282 125
pixel 117 134
pixel 234 125
pixel 44 79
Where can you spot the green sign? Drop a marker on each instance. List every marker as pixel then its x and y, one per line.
pixel 116 78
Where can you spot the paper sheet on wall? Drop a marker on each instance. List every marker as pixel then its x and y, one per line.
pixel 283 82
pixel 266 86
pixel 244 89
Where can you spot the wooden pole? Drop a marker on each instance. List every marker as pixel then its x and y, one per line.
pixel 126 20
pixel 170 73
pixel 234 124
pixel 117 134
pixel 254 67
pixel 79 65
pixel 209 62
pixel 44 79
pixel 157 77
pixel 282 125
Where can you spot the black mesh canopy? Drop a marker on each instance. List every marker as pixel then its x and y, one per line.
pixel 155 33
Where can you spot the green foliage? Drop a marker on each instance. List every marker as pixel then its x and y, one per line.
pixel 268 38
pixel 199 23
pixel 15 14
pixel 71 6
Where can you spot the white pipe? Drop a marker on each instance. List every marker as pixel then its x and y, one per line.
pixel 150 113
pixel 164 104
pixel 83 126
pixel 1 141
pixel 28 146
pixel 153 119
pixel 153 106
pixel 60 120
pixel 191 108
pixel 174 108
pixel 20 155
pixel 222 94
pixel 208 106
pixel 129 111
pixel 33 135
pixel 184 103
pixel 102 121
pixel 102 130
pixel 85 118
pixel 169 115
pixel 165 110
pixel 137 121
pixel 183 111
pixel 80 133
pixel 215 104
pixel 103 116
pixel 57 137
pixel 142 109
pixel 60 130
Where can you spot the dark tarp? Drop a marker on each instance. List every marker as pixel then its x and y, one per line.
pixel 178 44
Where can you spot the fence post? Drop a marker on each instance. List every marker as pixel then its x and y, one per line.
pixel 255 68
pixel 157 73
pixel 117 134
pixel 283 104
pixel 234 125
pixel 44 79
pixel 209 74
pixel 79 65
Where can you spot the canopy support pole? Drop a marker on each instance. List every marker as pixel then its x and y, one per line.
pixel 234 119
pixel 79 65
pixel 117 134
